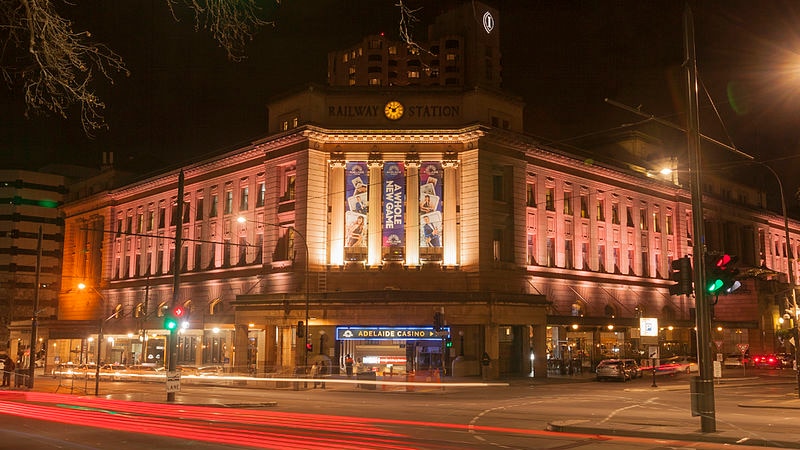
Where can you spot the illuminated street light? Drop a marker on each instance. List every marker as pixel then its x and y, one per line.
pixel 82 286
pixel 242 220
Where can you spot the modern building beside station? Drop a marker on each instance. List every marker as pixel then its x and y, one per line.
pixel 403 193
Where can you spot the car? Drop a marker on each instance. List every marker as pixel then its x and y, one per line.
pixel 735 360
pixel 678 364
pixel 617 369
pixel 115 372
pixel 145 371
pixel 787 360
pixel 202 371
pixel 768 361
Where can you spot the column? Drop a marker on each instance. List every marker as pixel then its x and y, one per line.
pixel 449 228
pixel 540 351
pixel 412 210
pixel 374 243
pixel 336 199
pixel 240 352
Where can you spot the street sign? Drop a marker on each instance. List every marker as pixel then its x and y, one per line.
pixel 652 352
pixel 173 381
pixel 717 369
pixel 743 348
pixel 719 345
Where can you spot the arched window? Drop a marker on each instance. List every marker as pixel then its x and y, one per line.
pixel 118 312
pixel 578 309
pixel 139 311
pixel 214 306
pixel 162 309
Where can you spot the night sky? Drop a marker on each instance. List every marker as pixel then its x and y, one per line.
pixel 185 99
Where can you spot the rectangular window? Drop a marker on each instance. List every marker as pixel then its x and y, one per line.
pixel 244 198
pixel 262 194
pixel 162 216
pixel 601 258
pixel 643 219
pixel 228 202
pixel 198 214
pixel 531 249
pixel 497 245
pixel 151 220
pixel 198 254
pixel 140 222
pixel 629 213
pixel 668 225
pixel 549 199
pixel 498 188
pixel 530 196
pixel 601 208
pixel 551 252
pixel 289 187
pixel 584 207
pixel 657 222
pixel 585 256
pixel 187 208
pixel 568 260
pixel 173 214
pixel 567 203
pixel 615 213
pixel 129 224
pixel 212 211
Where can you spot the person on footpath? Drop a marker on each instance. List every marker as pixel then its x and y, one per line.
pixel 8 369
pixel 348 365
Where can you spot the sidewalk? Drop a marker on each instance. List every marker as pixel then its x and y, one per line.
pixel 690 429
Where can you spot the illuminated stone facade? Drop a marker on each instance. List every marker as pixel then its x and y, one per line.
pixel 375 209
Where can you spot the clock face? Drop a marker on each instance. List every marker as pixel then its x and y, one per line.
pixel 393 110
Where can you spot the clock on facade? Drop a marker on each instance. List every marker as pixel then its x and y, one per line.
pixel 393 110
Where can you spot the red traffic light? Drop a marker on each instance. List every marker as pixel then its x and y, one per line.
pixel 309 346
pixel 178 311
pixel 723 261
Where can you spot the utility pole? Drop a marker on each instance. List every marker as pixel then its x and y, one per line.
pixel 172 347
pixel 35 317
pixel 705 386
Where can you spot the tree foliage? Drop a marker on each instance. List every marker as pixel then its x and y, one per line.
pixel 57 65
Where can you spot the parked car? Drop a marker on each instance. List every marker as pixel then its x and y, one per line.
pixel 202 371
pixel 736 360
pixel 617 369
pixel 145 371
pixel 116 372
pixel 767 361
pixel 787 360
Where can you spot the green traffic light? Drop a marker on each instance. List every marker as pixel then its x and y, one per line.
pixel 715 286
pixel 170 324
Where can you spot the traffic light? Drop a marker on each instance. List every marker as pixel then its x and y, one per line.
pixel 721 275
pixel 448 342
pixel 173 317
pixel 309 347
pixel 301 328
pixel 682 274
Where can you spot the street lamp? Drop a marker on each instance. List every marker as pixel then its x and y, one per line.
pixel 789 270
pixel 82 286
pixel 242 220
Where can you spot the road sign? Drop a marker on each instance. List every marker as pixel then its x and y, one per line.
pixel 173 381
pixel 652 352
pixel 718 344
pixel 743 348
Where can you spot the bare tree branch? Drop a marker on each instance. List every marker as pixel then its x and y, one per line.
pixel 58 66
pixel 60 63
pixel 233 23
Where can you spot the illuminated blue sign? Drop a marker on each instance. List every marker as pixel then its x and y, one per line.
pixel 390 333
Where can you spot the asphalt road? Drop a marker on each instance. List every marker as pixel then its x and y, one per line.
pixel 214 416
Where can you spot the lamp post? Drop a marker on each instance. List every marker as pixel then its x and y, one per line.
pixel 82 286
pixel 789 270
pixel 35 317
pixel 242 219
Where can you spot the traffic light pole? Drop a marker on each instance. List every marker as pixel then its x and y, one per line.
pixel 172 347
pixel 705 387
